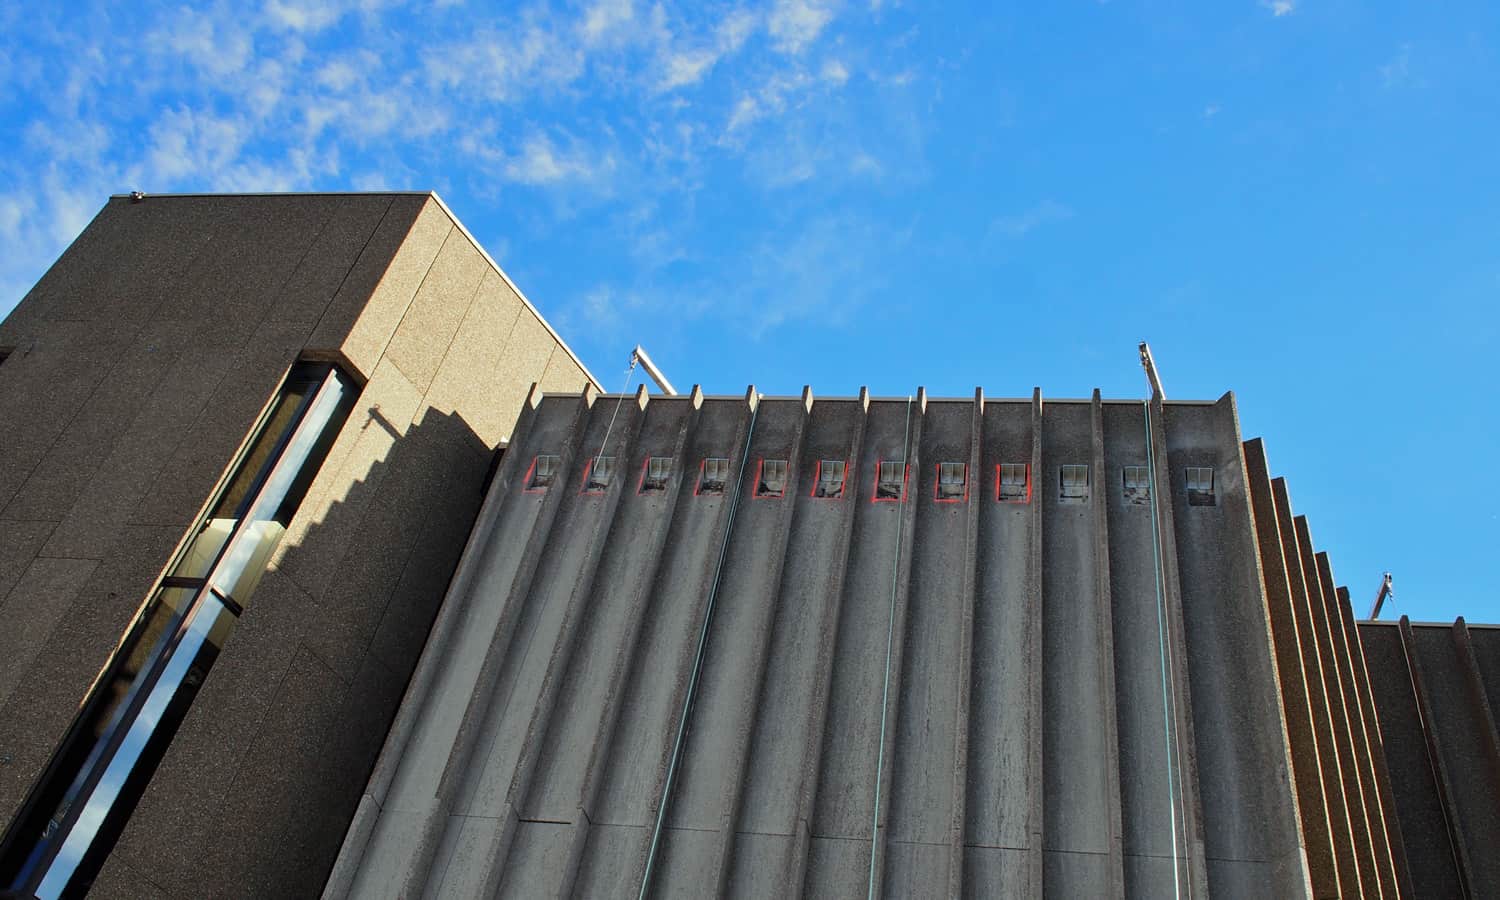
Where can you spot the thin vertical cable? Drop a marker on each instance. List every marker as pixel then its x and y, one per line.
pixel 692 688
pixel 890 635
pixel 629 373
pixel 1168 675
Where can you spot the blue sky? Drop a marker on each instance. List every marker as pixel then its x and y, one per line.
pixel 1293 199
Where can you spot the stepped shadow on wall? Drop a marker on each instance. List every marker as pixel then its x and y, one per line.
pixel 263 778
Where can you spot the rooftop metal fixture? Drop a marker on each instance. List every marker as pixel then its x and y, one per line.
pixel 639 355
pixel 1385 593
pixel 1149 364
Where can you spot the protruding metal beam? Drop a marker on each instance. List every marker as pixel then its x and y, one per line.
pixel 1149 364
pixel 640 355
pixel 1385 593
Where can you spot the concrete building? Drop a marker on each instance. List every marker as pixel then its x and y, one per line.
pixel 914 647
pixel 276 619
pixel 166 370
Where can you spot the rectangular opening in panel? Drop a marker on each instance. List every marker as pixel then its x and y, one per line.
pixel 1137 485
pixel 1013 482
pixel 654 475
pixel 1073 484
pixel 770 479
pixel 828 479
pixel 952 482
pixel 890 482
pixel 713 475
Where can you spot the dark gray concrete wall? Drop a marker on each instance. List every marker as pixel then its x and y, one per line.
pixel 919 698
pixel 141 361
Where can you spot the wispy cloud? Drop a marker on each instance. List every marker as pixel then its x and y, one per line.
pixel 1021 224
pixel 641 96
pixel 1279 8
pixel 795 24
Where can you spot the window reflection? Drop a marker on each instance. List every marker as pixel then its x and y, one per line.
pixel 77 811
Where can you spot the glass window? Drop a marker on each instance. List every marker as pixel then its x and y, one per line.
pixel 72 819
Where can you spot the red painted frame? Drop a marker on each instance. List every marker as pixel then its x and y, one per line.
pixel 938 472
pixel 760 464
pixel 526 487
pixel 584 488
pixel 818 476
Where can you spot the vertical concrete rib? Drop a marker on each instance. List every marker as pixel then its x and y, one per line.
pixel 1481 762
pixel 894 682
pixel 1173 455
pixel 1293 672
pixel 1437 758
pixel 636 767
pixel 1380 871
pixel 700 839
pixel 572 724
pixel 973 497
pixel 1104 622
pixel 419 690
pixel 517 712
pixel 777 801
pixel 1323 618
pixel 1317 680
pixel 846 850
pixel 930 759
pixel 459 670
pixel 1035 655
pixel 1395 843
pixel 1082 851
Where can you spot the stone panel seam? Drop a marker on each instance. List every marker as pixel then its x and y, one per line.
pixel 355 264
pixel 291 271
pixel 410 301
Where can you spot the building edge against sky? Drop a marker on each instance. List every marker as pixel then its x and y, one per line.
pixel 135 373
pixel 244 440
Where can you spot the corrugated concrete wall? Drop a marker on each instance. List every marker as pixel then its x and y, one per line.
pixel 138 365
pixel 1435 688
pixel 1338 759
pixel 766 696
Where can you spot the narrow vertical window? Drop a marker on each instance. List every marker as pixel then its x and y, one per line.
pixel 58 842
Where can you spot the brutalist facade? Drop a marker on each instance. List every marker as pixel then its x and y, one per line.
pixel 252 432
pixel 251 607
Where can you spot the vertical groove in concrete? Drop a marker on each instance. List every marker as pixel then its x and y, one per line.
pixel 1292 671
pixel 1106 663
pixel 1381 869
pixel 1186 746
pixel 444 672
pixel 699 620
pixel 1360 844
pixel 900 590
pixel 959 793
pixel 1395 843
pixel 812 756
pixel 419 688
pixel 599 591
pixel 1312 659
pixel 569 588
pixel 1443 778
pixel 1035 642
pixel 732 790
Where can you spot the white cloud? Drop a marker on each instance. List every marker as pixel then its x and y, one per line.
pixel 540 162
pixel 1280 8
pixel 835 72
pixel 607 20
pixel 794 24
